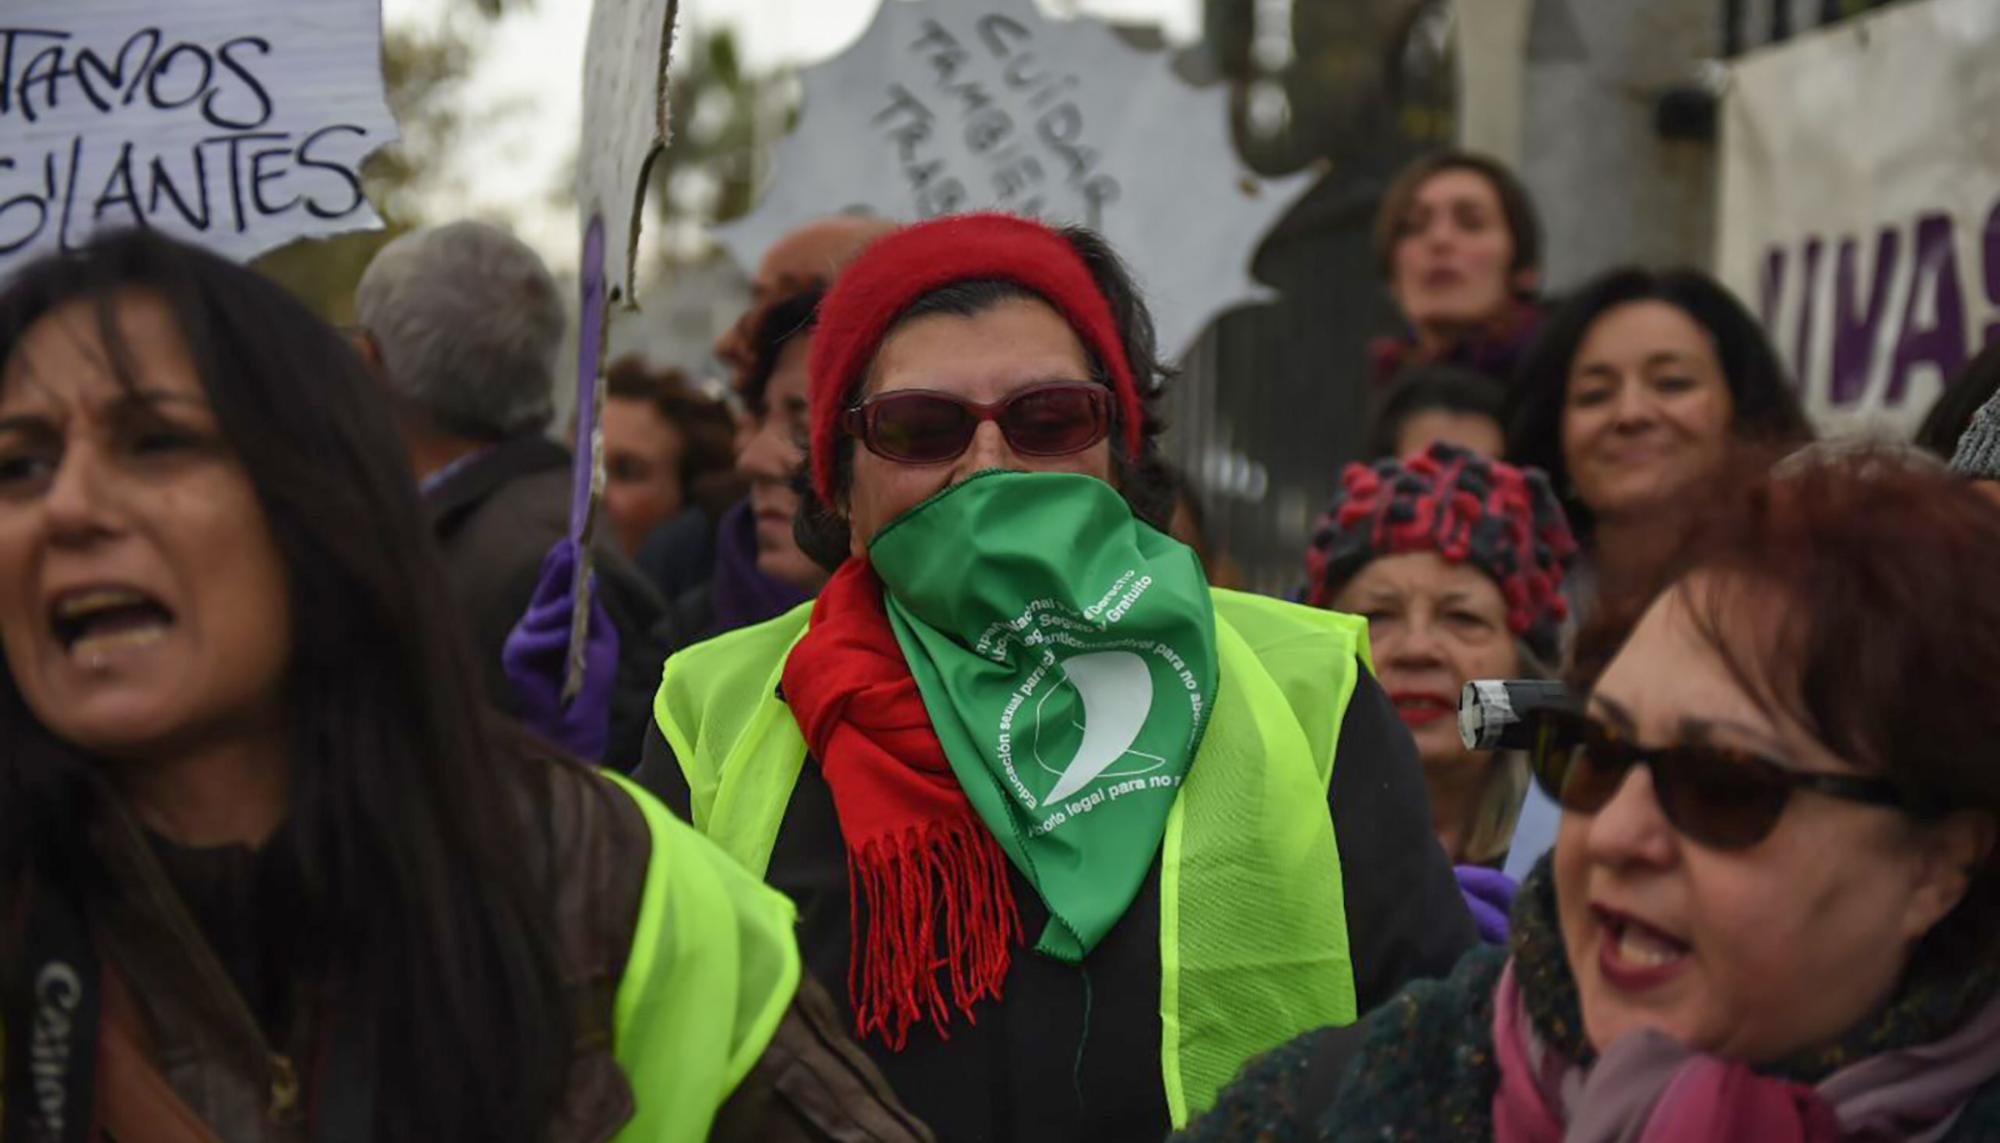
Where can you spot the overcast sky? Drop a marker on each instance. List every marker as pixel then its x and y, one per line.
pixel 533 60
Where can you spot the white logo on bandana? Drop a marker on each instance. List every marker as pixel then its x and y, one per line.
pixel 1115 689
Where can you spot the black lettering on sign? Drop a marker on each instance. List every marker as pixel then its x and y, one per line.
pixel 9 37
pixel 1001 33
pixel 119 83
pixel 163 183
pixel 355 199
pixel 1015 113
pixel 255 175
pixel 234 143
pixel 120 177
pixel 69 192
pixel 1099 192
pixel 259 176
pixel 941 50
pixel 987 130
pixel 198 57
pixel 228 54
pixel 150 68
pixel 46 69
pixel 916 121
pixel 14 233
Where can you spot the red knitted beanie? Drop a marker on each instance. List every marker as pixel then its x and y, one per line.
pixel 898 269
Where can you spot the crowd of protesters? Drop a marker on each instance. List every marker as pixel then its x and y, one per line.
pixel 926 778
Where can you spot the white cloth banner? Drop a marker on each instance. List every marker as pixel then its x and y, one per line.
pixel 1861 205
pixel 235 124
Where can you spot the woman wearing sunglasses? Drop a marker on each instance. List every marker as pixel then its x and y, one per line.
pixel 1080 833
pixel 1773 909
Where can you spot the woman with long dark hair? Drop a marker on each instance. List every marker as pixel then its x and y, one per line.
pixel 1636 395
pixel 269 868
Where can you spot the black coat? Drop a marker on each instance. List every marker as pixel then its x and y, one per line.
pixel 1074 1053
pixel 496 519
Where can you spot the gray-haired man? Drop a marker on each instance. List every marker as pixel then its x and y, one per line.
pixel 464 325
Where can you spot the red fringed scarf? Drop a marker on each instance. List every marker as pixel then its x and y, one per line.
pixel 928 881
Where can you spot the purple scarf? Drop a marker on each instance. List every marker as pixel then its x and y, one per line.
pixel 1648 1089
pixel 741 594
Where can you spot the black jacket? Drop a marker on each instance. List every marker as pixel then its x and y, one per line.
pixel 1074 1054
pixel 495 519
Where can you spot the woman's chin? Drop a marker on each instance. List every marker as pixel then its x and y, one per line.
pixel 122 725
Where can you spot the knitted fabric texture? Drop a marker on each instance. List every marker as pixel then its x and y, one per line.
pixel 1504 521
pixel 1978 452
pixel 897 270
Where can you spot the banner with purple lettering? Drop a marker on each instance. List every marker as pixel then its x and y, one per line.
pixel 1861 205
pixel 236 124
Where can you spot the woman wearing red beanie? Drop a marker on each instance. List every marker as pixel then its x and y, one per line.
pixel 1018 715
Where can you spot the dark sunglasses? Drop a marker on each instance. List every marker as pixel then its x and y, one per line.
pixel 921 426
pixel 1713 795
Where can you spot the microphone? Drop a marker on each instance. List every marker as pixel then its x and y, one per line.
pixel 1492 713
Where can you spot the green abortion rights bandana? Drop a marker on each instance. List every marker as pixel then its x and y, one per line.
pixel 1065 653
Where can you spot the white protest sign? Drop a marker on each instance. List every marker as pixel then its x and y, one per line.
pixel 1861 205
pixel 236 124
pixel 624 125
pixel 947 106
pixel 624 128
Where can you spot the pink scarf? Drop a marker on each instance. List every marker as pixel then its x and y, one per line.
pixel 1648 1089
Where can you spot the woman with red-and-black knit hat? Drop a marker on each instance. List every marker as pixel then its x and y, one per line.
pixel 1457 563
pixel 1080 833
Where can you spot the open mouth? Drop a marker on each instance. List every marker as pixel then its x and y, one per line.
pixel 1635 953
pixel 100 619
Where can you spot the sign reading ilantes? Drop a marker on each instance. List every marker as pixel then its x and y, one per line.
pixel 235 124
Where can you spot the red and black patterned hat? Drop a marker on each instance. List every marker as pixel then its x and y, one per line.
pixel 1503 520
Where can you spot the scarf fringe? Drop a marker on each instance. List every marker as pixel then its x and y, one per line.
pixel 937 897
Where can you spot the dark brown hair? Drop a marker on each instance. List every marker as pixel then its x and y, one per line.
pixel 1886 647
pixel 1523 224
pixel 413 899
pixel 708 435
pixel 1766 410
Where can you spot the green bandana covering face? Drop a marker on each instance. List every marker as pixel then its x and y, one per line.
pixel 1066 655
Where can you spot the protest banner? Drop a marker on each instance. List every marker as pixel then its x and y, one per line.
pixel 1860 208
pixel 624 128
pixel 235 124
pixel 947 106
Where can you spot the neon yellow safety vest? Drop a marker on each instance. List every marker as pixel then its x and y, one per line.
pixel 1253 924
pixel 713 967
